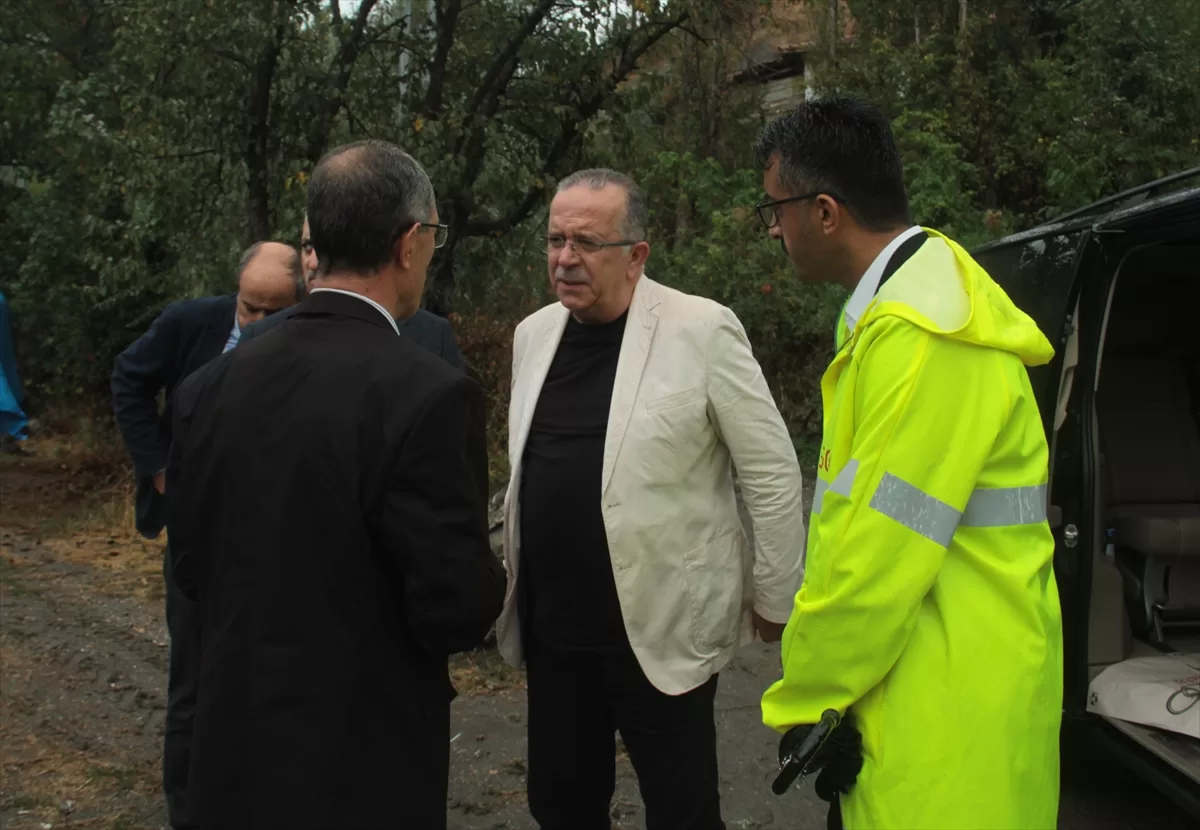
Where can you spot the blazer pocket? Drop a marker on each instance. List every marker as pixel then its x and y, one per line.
pixel 673 400
pixel 714 574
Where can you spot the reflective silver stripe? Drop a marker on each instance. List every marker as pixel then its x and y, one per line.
pixel 1005 506
pixel 819 494
pixel 933 518
pixel 918 511
pixel 842 483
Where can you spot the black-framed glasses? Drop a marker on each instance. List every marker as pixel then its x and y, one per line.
pixel 556 242
pixel 440 232
pixel 769 216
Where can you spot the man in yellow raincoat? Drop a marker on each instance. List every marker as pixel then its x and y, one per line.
pixel 929 606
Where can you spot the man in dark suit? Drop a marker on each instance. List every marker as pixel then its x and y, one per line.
pixel 185 336
pixel 330 520
pixel 423 328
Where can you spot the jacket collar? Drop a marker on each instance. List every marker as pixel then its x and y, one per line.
pixel 344 304
pixel 635 350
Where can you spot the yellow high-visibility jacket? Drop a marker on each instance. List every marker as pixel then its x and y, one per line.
pixel 929 603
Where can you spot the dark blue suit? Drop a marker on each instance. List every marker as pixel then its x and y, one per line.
pixel 187 335
pixel 424 328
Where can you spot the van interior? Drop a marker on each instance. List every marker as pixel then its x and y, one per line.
pixel 1145 597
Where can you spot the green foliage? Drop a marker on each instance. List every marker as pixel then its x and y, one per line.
pixel 726 256
pixel 1032 108
pixel 147 142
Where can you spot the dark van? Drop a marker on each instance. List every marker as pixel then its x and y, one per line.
pixel 1116 288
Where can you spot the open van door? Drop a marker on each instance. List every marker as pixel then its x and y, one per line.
pixel 1095 619
pixel 1043 272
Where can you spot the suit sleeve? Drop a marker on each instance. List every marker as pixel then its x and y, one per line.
pixel 450 350
pixel 434 521
pixel 139 374
pixel 180 512
pixel 923 430
pixel 752 428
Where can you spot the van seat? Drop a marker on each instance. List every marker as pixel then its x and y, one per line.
pixel 1152 448
pixel 1166 530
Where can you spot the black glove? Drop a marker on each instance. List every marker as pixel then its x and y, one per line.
pixel 839 759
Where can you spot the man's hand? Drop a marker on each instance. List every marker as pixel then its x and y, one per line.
pixel 769 632
pixel 160 482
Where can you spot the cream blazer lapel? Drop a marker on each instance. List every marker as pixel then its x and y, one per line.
pixel 635 349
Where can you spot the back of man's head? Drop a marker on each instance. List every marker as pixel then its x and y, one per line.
pixel 844 148
pixel 361 197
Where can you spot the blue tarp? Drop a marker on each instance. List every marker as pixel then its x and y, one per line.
pixel 12 417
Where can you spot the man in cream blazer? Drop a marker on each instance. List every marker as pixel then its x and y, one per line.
pixel 631 580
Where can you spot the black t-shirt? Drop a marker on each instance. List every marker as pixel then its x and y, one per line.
pixel 571 597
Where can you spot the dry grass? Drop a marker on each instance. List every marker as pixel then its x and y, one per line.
pixel 74 495
pixel 483 671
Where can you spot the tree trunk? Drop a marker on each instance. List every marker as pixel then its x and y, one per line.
pixel 258 134
pixel 833 29
pixel 446 23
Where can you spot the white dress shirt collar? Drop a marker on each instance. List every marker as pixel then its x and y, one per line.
pixel 864 292
pixel 391 320
pixel 235 334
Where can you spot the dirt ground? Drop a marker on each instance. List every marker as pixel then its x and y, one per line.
pixel 83 657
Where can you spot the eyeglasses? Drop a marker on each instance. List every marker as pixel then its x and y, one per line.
pixel 557 242
pixel 440 232
pixel 770 217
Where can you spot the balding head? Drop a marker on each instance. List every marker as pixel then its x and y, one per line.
pixel 270 278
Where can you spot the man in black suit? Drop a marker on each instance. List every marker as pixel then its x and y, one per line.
pixel 185 336
pixel 423 328
pixel 330 519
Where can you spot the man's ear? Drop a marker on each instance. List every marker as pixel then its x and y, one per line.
pixel 830 213
pixel 639 253
pixel 405 245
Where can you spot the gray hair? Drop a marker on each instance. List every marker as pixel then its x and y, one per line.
pixel 360 196
pixel 294 265
pixel 637 214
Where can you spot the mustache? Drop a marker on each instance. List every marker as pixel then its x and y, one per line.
pixel 571 275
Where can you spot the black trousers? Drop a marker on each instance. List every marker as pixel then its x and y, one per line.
pixel 183 676
pixel 833 820
pixel 578 701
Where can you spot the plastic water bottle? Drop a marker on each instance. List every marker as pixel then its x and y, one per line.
pixel 1110 547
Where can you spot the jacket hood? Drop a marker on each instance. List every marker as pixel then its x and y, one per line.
pixel 943 290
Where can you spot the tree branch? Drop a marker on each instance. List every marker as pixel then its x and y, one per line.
pixel 350 46
pixel 569 126
pixel 492 83
pixel 335 11
pixel 378 36
pixel 230 55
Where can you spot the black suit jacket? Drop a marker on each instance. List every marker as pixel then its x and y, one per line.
pixel 424 328
pixel 185 336
pixel 329 514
